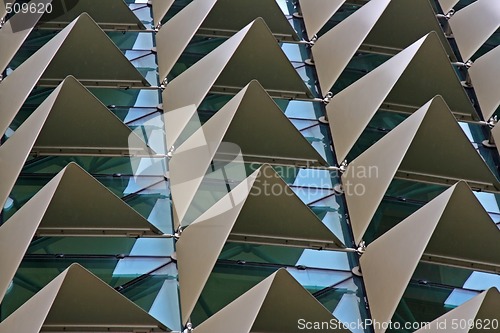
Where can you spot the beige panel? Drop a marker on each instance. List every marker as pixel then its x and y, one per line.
pixel 482 308
pixel 3 9
pixel 16 87
pixel 160 9
pixel 90 209
pixel 73 203
pixel 452 145
pixel 250 212
pixel 31 315
pixel 495 132
pixel 402 80
pixel 79 123
pixel 378 165
pixel 474 24
pixel 260 57
pixel 333 51
pixel 274 213
pixel 191 160
pixel 431 63
pixel 447 5
pixel 241 313
pixel 58 123
pixel 176 121
pixel 70 301
pixel 239 122
pixel 252 53
pixel 386 280
pixel 317 12
pixel 17 233
pixel 230 16
pixel 81 49
pixel 15 151
pixel 254 124
pixel 462 208
pixel 485 77
pixel 274 305
pixel 201 76
pixel 395 152
pixel 201 243
pixel 354 106
pixel 411 27
pixel 175 35
pixel 109 14
pixel 87 44
pixel 15 31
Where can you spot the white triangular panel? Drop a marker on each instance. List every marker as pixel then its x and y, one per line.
pixel 317 12
pixel 485 77
pixel 406 149
pixel 473 25
pixel 61 304
pixel 402 80
pixel 81 49
pixel 252 53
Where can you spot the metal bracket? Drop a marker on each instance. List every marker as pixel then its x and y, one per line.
pixel 361 248
pixel 163 84
pixel 189 328
pixel 446 16
pixel 328 98
pixel 343 166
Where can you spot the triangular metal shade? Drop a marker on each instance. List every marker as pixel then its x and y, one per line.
pixel 402 81
pixel 485 77
pixel 317 12
pixel 3 10
pixel 252 53
pixel 70 120
pixel 260 128
pixel 250 120
pixel 242 215
pixel 89 208
pixel 333 51
pixel 495 132
pixel 81 49
pixel 218 18
pixel 175 35
pixel 454 217
pixel 372 27
pixel 79 123
pixel 160 9
pixel 483 308
pixel 176 121
pixel 3 7
pixel 447 5
pixel 274 305
pixel 109 14
pixel 77 300
pixel 228 17
pixel 422 21
pixel 429 143
pixel 15 151
pixel 280 219
pixel 474 24
pixel 73 203
pixel 16 30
